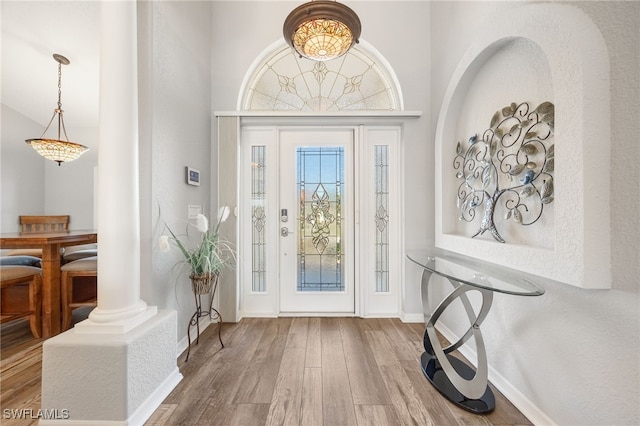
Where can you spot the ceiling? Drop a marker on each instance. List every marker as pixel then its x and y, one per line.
pixel 31 33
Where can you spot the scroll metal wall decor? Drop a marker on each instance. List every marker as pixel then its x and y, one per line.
pixel 511 164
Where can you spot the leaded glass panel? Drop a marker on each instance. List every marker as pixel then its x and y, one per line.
pixel 355 81
pixel 320 186
pixel 381 165
pixel 258 216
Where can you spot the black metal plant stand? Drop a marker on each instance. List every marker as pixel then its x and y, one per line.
pixel 212 312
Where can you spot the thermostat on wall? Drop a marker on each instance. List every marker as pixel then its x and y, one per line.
pixel 193 176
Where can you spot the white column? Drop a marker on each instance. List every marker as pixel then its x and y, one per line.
pixel 116 367
pixel 119 303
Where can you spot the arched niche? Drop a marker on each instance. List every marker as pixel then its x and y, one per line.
pixel 576 249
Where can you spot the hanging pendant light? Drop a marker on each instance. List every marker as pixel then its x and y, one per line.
pixel 322 30
pixel 56 149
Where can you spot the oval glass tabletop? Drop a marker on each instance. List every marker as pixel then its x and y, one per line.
pixel 475 272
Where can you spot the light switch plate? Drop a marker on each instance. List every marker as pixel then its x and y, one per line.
pixel 194 211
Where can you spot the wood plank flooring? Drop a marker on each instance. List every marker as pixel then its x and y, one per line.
pixel 280 371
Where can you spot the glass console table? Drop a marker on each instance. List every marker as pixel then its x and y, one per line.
pixel 456 380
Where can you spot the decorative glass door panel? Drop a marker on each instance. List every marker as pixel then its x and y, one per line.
pixel 316 191
pixel 320 181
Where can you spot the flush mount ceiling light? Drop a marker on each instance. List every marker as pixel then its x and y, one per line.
pixel 55 149
pixel 322 30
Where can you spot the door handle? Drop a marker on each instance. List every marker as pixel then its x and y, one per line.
pixel 284 231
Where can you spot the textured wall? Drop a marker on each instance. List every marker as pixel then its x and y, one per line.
pixel 572 354
pixel 175 45
pixel 110 377
pixel 570 243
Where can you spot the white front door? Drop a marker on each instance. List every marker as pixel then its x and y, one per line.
pixel 316 208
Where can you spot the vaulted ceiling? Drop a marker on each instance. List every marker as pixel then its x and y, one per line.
pixel 32 31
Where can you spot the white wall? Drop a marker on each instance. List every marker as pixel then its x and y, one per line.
pixel 22 170
pixel 397 30
pixel 69 187
pixel 175 131
pixel 572 354
pixel 32 185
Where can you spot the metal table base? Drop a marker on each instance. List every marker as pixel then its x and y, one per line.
pixel 457 380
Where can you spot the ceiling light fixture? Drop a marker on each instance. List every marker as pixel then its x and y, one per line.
pixel 55 149
pixel 322 30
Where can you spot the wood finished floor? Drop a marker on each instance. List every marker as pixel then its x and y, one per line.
pixel 284 371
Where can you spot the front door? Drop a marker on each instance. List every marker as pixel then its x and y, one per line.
pixel 316 250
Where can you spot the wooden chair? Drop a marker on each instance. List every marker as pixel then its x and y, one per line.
pixel 82 291
pixel 31 224
pixel 78 252
pixel 20 295
pixel 36 224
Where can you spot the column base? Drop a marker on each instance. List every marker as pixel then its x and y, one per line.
pixel 119 322
pixel 110 379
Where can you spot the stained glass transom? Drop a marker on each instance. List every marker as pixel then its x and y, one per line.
pixel 320 185
pixel 354 81
pixel 258 217
pixel 381 165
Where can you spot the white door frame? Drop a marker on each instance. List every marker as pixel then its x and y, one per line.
pixel 368 301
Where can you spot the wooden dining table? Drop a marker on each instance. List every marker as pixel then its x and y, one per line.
pixel 50 243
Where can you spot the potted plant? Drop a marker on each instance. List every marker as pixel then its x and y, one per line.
pixel 207 259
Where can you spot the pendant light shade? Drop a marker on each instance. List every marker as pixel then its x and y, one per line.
pixel 56 149
pixel 322 30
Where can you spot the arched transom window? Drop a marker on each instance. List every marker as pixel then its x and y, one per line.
pixel 359 80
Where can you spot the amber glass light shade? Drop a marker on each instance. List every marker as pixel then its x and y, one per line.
pixel 56 149
pixel 322 30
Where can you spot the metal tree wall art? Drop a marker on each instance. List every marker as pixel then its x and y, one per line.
pixel 510 165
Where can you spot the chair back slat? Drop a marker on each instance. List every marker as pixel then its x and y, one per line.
pixel 37 224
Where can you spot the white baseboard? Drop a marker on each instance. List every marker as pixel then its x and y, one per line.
pixel 258 315
pixel 405 317
pixel 148 407
pixel 139 417
pixel 521 402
